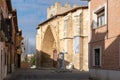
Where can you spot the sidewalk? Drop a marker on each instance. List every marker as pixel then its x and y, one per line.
pixel 8 76
pixel 11 74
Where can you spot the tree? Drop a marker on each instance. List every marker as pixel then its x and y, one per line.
pixel 32 61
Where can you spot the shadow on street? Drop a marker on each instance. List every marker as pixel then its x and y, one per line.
pixel 47 74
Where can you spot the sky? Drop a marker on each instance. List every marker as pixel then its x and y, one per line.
pixel 32 12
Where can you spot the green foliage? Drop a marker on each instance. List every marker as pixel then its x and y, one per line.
pixel 26 60
pixel 32 61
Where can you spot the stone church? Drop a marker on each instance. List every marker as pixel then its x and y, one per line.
pixel 64 32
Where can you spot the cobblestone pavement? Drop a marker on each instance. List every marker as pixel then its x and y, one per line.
pixel 36 74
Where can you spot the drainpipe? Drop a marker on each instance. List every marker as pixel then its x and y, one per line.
pixel 89 34
pixel 107 19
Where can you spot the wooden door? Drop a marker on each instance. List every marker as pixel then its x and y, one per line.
pixel 55 56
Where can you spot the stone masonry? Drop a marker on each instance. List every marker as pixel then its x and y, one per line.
pixel 59 33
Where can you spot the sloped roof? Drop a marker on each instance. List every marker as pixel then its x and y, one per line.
pixel 65 13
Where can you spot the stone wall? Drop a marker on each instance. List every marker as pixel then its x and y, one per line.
pixel 57 8
pixel 54 35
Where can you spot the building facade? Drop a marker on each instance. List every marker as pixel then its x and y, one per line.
pixel 104 41
pixel 8 31
pixel 19 51
pixel 65 31
pixel 17 38
pixel 5 8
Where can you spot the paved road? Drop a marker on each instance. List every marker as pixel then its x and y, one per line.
pixel 35 74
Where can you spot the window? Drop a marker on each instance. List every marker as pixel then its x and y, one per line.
pixel 101 18
pixel 97 57
pixel 65 27
pixel 77 24
pixel 77 20
pixel 76 44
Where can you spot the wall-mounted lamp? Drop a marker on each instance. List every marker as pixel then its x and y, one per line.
pixel 9 15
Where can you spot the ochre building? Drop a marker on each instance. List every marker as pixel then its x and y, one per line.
pixel 65 31
pixel 8 42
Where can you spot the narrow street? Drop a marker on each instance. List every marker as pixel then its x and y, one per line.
pixel 37 74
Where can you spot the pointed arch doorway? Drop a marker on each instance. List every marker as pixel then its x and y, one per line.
pixel 48 47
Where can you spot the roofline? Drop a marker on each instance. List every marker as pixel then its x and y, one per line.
pixel 72 10
pixel 15 19
pixel 9 5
